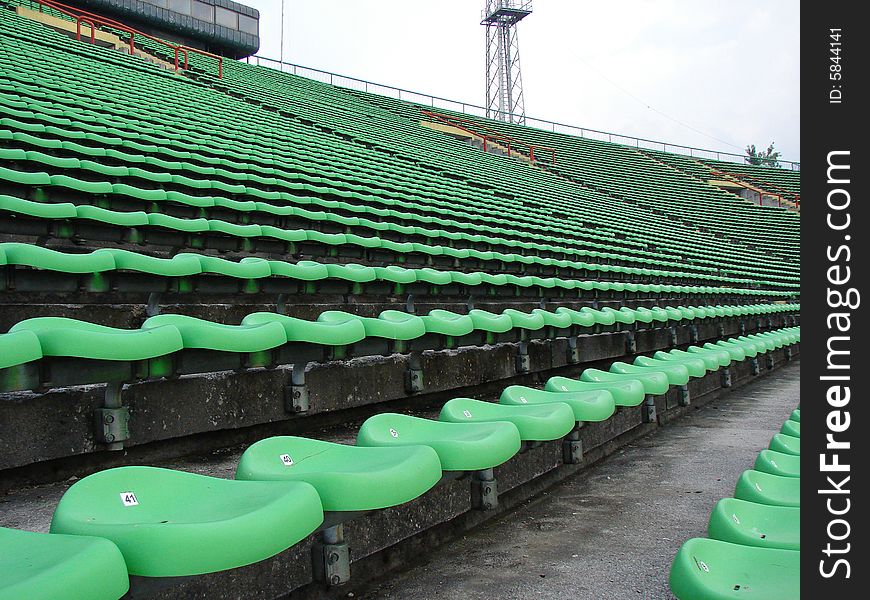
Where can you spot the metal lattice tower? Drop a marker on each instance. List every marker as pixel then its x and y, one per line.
pixel 504 82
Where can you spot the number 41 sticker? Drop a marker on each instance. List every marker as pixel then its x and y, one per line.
pixel 129 499
pixel 285 458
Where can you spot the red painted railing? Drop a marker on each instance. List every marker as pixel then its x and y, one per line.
pixel 490 135
pixel 763 184
pixel 763 188
pixel 94 20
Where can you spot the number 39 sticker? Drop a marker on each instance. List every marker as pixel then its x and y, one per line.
pixel 129 499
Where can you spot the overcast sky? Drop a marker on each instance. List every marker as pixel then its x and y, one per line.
pixel 658 69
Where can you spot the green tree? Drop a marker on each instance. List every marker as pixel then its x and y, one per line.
pixel 766 158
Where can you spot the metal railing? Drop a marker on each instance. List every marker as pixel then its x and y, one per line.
pixel 95 21
pixel 491 136
pixel 469 108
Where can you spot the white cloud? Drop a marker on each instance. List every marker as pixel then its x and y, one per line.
pixel 729 69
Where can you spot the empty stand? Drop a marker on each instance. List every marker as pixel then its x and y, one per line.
pixel 383 328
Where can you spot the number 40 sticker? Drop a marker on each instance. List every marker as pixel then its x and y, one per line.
pixel 129 499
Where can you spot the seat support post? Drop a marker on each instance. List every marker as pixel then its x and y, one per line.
pixel 572 446
pixel 153 307
pixel 693 333
pixel 296 397
pixel 684 398
pixel 753 365
pixel 648 410
pixel 414 374
pixel 523 361
pixel 630 340
pixel 573 350
pixel 787 351
pixel 484 490
pixel 111 422
pixel 768 361
pixel 673 332
pixel 726 377
pixel 331 557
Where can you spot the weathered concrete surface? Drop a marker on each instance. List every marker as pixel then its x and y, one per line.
pixel 611 531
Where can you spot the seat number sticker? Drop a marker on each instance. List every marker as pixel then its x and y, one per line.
pixel 285 458
pixel 394 433
pixel 467 414
pixel 523 400
pixel 129 499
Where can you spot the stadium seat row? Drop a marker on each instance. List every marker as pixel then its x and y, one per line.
pixel 171 125
pixel 187 264
pixel 158 522
pixel 139 223
pixel 754 537
pixel 164 334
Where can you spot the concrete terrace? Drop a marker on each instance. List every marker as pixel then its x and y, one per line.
pixel 611 532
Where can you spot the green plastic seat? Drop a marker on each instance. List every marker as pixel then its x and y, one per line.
pixel 654 382
pixel 303 270
pixel 795 415
pixel 39 566
pixel 341 333
pixel 589 405
pixel 53 260
pixel 396 274
pixel 628 392
pixel 18 348
pixel 171 523
pixel 247 268
pixel 24 177
pixel 447 323
pixel 181 265
pixel 762 346
pixel 753 524
pixel 351 272
pixel 787 444
pixel 601 317
pixel 706 569
pixel 673 366
pixel 434 276
pixel 709 360
pixel 554 319
pixel 792 428
pixel 460 446
pixel 722 355
pixel 659 314
pixel 60 336
pixel 199 333
pixel 535 422
pixel 42 210
pixel 778 463
pixel 619 316
pixel 347 478
pixel 735 351
pixel 581 319
pixel 491 322
pixel 674 375
pixel 390 324
pixel 750 348
pixel 765 488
